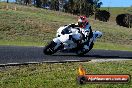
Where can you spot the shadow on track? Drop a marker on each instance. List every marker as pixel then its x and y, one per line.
pixel 116 57
pixel 99 54
pixel 95 56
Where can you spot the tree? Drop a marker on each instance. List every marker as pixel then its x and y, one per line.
pixel 38 3
pixel 70 6
pixel 82 7
pixel 97 4
pixel 61 4
pixel 54 5
pixel 27 2
pixel 44 2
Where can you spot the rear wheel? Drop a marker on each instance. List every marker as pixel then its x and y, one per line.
pixel 91 46
pixel 81 52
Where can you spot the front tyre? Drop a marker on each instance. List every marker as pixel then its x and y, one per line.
pixel 49 49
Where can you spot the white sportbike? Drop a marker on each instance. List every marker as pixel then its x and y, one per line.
pixel 66 41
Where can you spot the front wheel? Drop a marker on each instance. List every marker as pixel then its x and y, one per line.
pixel 49 49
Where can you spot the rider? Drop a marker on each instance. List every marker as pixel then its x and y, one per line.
pixel 84 24
pixel 86 31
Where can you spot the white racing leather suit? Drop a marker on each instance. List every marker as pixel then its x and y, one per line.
pixel 87 35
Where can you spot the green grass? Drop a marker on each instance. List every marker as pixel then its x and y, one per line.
pixel 30 26
pixel 22 43
pixel 98 45
pixel 61 75
pixel 117 10
pixel 111 46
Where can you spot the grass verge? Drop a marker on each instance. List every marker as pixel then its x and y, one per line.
pixel 112 46
pixel 97 45
pixel 61 75
pixel 21 43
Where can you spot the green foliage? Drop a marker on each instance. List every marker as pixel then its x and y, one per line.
pixel 54 5
pixel 82 7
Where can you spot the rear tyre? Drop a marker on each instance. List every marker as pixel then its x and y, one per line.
pixel 91 46
pixel 81 52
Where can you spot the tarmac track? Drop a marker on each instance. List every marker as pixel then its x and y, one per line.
pixel 16 55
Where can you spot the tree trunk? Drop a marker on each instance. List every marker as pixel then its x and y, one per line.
pixel 7 1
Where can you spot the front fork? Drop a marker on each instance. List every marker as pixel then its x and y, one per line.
pixel 58 43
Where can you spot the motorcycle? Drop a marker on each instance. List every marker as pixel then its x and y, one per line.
pixel 66 41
